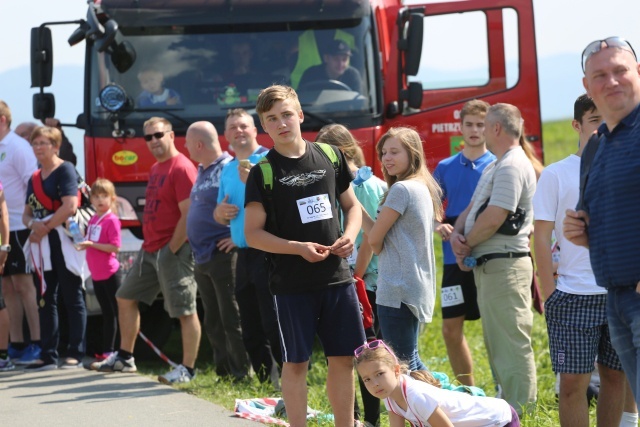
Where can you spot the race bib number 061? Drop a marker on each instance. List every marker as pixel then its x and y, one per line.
pixel 452 296
pixel 315 208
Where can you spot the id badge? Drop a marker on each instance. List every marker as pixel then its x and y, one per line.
pixel 314 208
pixel 94 234
pixel 351 259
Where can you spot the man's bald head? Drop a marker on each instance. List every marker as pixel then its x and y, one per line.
pixel 205 133
pixel 25 129
pixel 202 142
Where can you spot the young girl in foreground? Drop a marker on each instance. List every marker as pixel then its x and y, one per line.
pixel 102 244
pixel 416 396
pixel 402 236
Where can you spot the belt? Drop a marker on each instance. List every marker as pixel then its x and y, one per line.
pixel 488 257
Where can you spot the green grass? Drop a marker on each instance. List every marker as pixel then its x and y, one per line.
pixel 560 140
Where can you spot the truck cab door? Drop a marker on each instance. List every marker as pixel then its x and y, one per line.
pixel 482 49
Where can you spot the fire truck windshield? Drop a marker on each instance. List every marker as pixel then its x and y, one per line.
pixel 192 73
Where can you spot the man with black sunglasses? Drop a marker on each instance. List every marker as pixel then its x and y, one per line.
pixel 605 219
pixel 165 262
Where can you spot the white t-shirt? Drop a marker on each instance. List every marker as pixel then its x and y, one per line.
pixel 462 409
pixel 558 190
pixel 17 164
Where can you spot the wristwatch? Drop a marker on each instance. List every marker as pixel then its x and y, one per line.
pixel 5 248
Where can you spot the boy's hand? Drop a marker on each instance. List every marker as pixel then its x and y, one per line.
pixel 313 252
pixel 445 231
pixel 343 247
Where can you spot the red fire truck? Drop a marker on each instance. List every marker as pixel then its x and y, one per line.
pixel 418 64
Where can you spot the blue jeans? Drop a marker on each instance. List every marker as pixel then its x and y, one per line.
pixel 623 313
pixel 400 330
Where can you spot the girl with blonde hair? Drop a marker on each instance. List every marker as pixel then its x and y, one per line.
pixel 401 236
pixel 416 396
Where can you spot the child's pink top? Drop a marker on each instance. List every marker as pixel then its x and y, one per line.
pixel 103 229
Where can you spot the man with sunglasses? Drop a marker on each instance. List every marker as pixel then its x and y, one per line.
pixel 165 263
pixel 605 219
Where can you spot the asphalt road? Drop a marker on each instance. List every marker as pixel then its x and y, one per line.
pixel 79 397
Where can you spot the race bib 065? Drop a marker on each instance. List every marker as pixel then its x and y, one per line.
pixel 314 208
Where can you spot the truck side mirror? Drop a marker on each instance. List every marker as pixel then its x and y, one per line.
pixel 413 95
pixel 123 56
pixel 44 105
pixel 81 121
pixel 414 37
pixel 110 31
pixel 41 57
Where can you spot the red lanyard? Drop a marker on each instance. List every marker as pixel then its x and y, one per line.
pixel 404 394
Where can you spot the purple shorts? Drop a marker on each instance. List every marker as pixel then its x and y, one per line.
pixel 515 420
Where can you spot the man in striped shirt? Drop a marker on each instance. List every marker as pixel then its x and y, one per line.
pixel 504 269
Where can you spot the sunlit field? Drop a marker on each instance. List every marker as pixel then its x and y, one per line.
pixel 559 141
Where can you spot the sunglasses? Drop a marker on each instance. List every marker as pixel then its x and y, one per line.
pixel 156 135
pixel 596 46
pixel 372 346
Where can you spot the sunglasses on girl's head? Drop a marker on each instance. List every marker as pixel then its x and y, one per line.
pixel 156 135
pixel 596 46
pixel 372 346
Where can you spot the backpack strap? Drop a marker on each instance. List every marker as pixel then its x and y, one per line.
pixel 330 153
pixel 38 190
pixel 267 184
pixel 267 173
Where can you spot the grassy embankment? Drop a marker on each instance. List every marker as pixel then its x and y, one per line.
pixel 560 140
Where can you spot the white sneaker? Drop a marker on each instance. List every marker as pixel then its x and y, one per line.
pixel 6 365
pixel 178 375
pixel 115 363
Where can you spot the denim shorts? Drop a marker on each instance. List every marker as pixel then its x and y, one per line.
pixel 578 333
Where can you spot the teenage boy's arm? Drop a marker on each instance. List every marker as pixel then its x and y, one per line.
pixel 257 237
pixel 352 223
pixel 542 245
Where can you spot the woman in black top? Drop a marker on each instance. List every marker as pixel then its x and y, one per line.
pixel 52 197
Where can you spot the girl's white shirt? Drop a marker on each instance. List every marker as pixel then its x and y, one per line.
pixel 464 410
